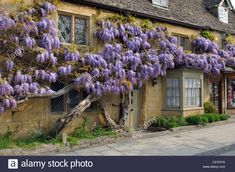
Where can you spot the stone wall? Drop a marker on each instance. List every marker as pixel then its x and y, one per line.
pixel 35 114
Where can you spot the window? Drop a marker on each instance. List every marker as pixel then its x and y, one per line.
pixel 64 27
pixel 163 3
pixel 57 104
pixel 172 93
pixel 214 96
pixel 73 99
pixel 192 92
pixel 76 97
pixel 223 14
pixel 68 101
pixel 80 31
pixel 183 41
pixel 72 29
pixel 231 93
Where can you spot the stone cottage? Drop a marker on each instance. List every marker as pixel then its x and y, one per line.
pixel 180 92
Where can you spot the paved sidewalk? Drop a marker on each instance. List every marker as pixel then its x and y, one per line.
pixel 184 143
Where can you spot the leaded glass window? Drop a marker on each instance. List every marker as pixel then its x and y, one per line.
pixel 64 27
pixel 72 29
pixel 74 99
pixel 192 92
pixel 172 93
pixel 80 31
pixel 183 41
pixel 57 104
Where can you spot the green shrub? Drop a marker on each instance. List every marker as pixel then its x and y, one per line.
pixel 211 118
pixel 223 117
pixel 172 124
pixel 209 108
pixel 169 122
pixel 160 122
pixel 181 121
pixel 197 120
pixel 217 117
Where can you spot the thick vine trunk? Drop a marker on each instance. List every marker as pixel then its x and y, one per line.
pixel 125 102
pixel 61 123
pixel 110 121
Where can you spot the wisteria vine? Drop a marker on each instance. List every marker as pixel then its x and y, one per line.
pixel 130 55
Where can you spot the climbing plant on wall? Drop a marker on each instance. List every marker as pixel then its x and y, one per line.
pixel 32 58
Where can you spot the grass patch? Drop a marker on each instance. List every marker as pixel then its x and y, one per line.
pixel 38 138
pixel 81 133
pixel 6 141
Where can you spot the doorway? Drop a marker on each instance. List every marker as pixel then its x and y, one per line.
pixel 216 95
pixel 135 109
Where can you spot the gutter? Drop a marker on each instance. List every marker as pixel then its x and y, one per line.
pixel 146 16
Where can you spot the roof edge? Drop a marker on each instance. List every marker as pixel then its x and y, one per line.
pixel 143 15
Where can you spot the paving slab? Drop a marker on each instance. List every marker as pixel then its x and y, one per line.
pixel 185 143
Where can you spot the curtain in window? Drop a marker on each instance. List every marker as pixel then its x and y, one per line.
pixel 192 92
pixel 172 93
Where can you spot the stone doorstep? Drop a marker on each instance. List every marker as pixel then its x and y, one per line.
pixel 180 129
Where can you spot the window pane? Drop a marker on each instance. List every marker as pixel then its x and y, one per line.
pixel 169 92
pixel 74 99
pixel 192 92
pixel 57 104
pixel 231 93
pixel 172 93
pixel 161 2
pixel 214 96
pixel 183 41
pixel 80 31
pixel 169 83
pixel 64 28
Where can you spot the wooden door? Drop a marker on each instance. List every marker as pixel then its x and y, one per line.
pixel 135 109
